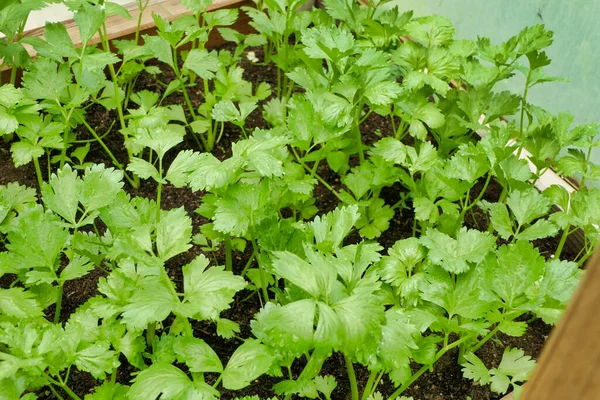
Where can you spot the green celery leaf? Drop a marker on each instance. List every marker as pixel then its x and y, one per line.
pixel 197 355
pixel 160 48
pixel 183 165
pixel 360 316
pixel 541 229
pixel 331 229
pixel 512 270
pixel 499 218
pixel 299 272
pixel 325 384
pixel 383 93
pixel 288 328
pixel 153 301
pixel 422 161
pixel 203 63
pixel 61 193
pixel 426 210
pixel 173 233
pixel 100 186
pixel 97 359
pixel 159 379
pixel 16 302
pixel 77 267
pixel 333 109
pixel 248 362
pixel 225 110
pixel 454 255
pixel 210 173
pixel 464 298
pixel 527 205
pixel 328 42
pixel 431 31
pixel 534 38
pixel 390 149
pixel 109 391
pixel 402 258
pixel 207 292
pixel 89 19
pixel 227 328
pixel 475 369
pixel 40 247
pixel 514 367
pixel 160 138
pixel 513 328
pixel 143 169
pixel 46 79
pixel 379 216
pixel 397 341
pixel 24 152
pixel 57 45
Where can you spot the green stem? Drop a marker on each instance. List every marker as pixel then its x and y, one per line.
pixel 183 89
pixel 220 134
pixel 249 262
pixel 38 172
pixel 587 161
pixel 261 271
pixel 369 386
pixel 58 396
pixel 352 378
pixel 468 205
pixel 115 162
pixel 314 168
pixel 64 387
pixel 67 118
pixel 562 242
pixel 13 72
pixel 357 134
pixel 135 182
pixel 150 333
pixel 228 261
pixel 426 367
pixel 141 8
pixel 485 339
pixel 159 190
pixel 321 180
pixel 585 257
pixel 327 185
pixel 59 296
pixel 523 103
pixel 399 134
pixel 71 393
pixel 374 388
pixel 218 381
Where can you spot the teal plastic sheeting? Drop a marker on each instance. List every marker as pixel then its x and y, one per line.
pixel 575 52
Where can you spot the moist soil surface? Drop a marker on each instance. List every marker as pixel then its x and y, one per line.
pixel 444 382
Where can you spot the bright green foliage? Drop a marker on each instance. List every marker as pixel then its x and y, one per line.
pixel 454 255
pixel 302 205
pixel 515 367
pixel 249 361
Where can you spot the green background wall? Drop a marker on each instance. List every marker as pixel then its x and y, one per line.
pixel 575 53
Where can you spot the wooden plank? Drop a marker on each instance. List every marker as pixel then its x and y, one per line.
pixel 118 27
pixel 123 28
pixel 569 366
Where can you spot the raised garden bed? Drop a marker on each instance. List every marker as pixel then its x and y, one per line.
pixel 251 207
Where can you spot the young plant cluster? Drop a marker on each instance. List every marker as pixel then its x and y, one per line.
pixel 471 268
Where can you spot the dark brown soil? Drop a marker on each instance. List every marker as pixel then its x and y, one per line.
pixel 445 382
